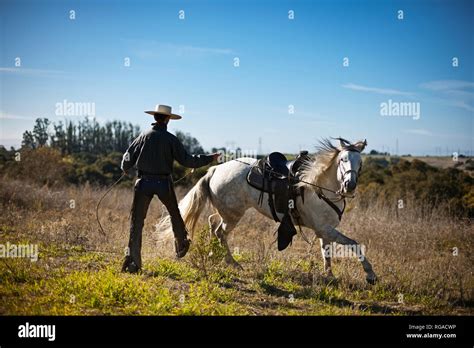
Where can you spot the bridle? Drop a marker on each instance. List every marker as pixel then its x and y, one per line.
pixel 343 172
pixel 341 196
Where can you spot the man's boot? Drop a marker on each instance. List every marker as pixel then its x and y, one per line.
pixel 181 246
pixel 130 266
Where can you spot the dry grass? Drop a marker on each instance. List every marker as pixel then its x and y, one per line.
pixel 413 258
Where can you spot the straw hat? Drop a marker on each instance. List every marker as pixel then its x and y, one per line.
pixel 164 110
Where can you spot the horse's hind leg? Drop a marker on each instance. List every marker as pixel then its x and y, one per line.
pixel 215 223
pixel 221 229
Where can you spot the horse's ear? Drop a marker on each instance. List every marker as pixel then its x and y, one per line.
pixel 343 142
pixel 363 145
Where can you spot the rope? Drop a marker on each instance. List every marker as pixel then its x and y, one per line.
pixel 100 200
pixel 185 175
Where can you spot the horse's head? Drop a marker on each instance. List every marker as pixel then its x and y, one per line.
pixel 349 165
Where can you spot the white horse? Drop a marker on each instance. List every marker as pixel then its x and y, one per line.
pixel 226 189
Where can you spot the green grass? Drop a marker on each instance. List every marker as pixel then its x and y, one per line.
pixel 73 280
pixel 165 288
pixel 90 283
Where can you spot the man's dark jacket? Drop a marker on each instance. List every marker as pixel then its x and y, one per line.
pixel 153 152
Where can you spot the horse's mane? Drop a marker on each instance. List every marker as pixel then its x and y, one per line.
pixel 315 169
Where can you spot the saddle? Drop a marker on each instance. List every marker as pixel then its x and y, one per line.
pixel 277 176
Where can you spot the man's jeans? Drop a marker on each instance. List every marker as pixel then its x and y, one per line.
pixel 145 188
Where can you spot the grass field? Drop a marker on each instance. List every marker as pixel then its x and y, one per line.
pixel 424 263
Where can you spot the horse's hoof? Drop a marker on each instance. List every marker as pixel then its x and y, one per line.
pixel 329 278
pixel 235 265
pixel 372 279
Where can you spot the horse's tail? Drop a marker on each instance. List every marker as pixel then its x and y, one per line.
pixel 191 205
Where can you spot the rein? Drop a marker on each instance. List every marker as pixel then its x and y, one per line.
pixel 321 195
pixel 341 195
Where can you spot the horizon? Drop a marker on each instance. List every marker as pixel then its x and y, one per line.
pixel 260 76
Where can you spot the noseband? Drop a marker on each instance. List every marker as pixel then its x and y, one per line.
pixel 348 172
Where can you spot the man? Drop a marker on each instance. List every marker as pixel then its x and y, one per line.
pixel 153 153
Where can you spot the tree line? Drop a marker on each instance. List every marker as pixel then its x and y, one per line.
pixel 87 135
pixel 80 152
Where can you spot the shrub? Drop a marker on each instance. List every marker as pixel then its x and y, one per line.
pixel 418 182
pixel 206 252
pixel 43 165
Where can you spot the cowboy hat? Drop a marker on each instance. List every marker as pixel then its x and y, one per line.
pixel 163 110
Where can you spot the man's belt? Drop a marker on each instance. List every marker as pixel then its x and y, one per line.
pixel 146 175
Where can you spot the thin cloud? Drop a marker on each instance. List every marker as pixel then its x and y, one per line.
pixel 377 90
pixel 147 49
pixel 200 50
pixel 447 85
pixel 456 93
pixel 425 132
pixel 419 132
pixel 32 72
pixel 461 104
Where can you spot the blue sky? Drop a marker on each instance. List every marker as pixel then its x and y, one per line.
pixel 283 62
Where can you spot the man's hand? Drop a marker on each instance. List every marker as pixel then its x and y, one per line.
pixel 130 172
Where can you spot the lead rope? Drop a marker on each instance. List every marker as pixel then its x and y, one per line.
pixel 185 175
pixel 100 200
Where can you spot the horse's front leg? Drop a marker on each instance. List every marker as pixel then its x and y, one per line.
pixel 333 235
